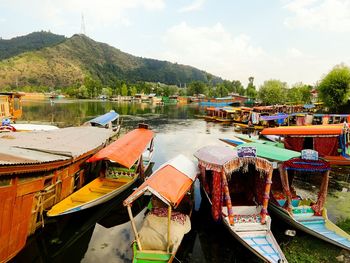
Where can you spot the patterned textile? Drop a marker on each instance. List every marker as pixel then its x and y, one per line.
pixel 294 143
pixel 326 146
pixel 175 216
pixel 299 164
pixel 216 196
pixel 203 179
pixel 318 207
pixel 247 218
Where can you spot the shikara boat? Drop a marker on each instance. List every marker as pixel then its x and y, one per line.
pixel 330 141
pixel 123 161
pixel 306 214
pixel 168 221
pixel 243 181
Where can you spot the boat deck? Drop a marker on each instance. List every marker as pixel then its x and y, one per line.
pixel 319 226
pixel 263 246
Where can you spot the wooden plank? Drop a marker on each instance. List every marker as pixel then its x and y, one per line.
pixel 30 187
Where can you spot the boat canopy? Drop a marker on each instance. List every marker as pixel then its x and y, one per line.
pixel 105 118
pixel 305 165
pixel 271 152
pixel 126 150
pixel 308 130
pixel 298 164
pixel 221 158
pixel 170 182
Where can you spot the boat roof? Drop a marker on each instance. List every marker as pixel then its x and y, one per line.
pixel 307 130
pixel 298 164
pixel 219 158
pixel 105 118
pixel 170 182
pixel 48 146
pixel 271 152
pixel 127 149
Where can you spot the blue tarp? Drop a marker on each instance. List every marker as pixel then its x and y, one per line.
pixel 105 118
pixel 274 117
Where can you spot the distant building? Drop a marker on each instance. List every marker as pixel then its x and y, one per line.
pixel 314 95
pixel 238 98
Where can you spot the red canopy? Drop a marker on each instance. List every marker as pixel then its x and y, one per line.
pixel 170 182
pixel 126 150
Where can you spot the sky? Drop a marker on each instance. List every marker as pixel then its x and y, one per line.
pixel 290 40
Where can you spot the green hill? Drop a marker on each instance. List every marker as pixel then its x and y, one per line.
pixel 33 41
pixel 69 62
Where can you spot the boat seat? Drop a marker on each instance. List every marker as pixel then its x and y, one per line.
pixel 81 198
pixel 100 190
pixel 112 183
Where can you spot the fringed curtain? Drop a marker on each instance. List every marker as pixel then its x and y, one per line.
pixel 326 146
pixel 294 143
pixel 318 207
pixel 216 197
pixel 286 189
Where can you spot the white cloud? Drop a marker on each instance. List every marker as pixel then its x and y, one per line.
pixel 195 5
pixel 221 53
pixel 59 15
pixel 325 15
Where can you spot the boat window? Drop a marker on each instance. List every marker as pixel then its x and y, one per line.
pixel 16 104
pixel 26 179
pixel 309 143
pixel 5 182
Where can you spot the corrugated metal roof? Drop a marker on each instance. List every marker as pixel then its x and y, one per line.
pixel 48 146
pixel 105 118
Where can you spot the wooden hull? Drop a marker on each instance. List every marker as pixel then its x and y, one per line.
pixel 321 227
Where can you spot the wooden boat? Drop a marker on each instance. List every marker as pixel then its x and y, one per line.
pixel 123 162
pixel 239 179
pixel 164 227
pixel 330 141
pixel 37 170
pixel 305 214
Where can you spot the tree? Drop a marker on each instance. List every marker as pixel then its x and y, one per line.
pixel 196 87
pixel 334 88
pixel 251 90
pixel 124 90
pixel 133 91
pixel 299 93
pixel 272 92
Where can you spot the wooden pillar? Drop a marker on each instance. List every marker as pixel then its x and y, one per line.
pixel 134 227
pixel 227 197
pixel 266 196
pixel 169 222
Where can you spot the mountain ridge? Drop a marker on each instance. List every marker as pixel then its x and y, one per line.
pixel 69 62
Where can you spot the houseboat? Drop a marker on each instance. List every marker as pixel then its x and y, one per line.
pixel 11 105
pixel 37 170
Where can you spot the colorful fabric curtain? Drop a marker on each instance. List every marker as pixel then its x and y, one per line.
pixel 300 120
pixel 216 197
pixel 203 179
pixel 326 146
pixel 318 207
pixel 294 143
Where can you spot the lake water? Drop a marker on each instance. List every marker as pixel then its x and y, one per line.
pixel 102 234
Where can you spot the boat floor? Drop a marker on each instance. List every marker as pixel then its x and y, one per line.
pixel 319 226
pixel 261 243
